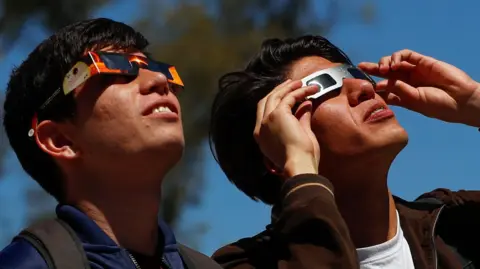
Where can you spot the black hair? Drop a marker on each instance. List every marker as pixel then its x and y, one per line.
pixel 234 111
pixel 35 80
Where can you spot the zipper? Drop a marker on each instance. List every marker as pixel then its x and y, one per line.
pixel 435 254
pixel 137 266
pixel 165 263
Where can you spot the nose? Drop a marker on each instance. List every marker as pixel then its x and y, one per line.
pixel 149 81
pixel 358 91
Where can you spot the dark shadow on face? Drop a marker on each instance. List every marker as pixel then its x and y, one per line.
pixel 342 121
pixel 116 135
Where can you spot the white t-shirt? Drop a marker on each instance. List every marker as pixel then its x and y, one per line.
pixel 393 254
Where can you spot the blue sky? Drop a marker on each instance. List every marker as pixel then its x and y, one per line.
pixel 438 155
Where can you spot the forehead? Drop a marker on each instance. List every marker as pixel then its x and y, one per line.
pixel 308 65
pixel 130 52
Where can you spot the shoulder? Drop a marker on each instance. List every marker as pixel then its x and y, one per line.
pixel 455 198
pixel 184 250
pixel 465 200
pixel 20 254
pixel 249 252
pixel 198 259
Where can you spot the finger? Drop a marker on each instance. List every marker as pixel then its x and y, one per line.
pixel 275 98
pixel 289 101
pixel 411 57
pixel 276 89
pixel 403 72
pixel 280 86
pixel 382 93
pixel 390 98
pixel 258 122
pixel 393 100
pixel 373 69
pixel 398 59
pixel 403 66
pixel 370 68
pixel 382 85
pixel 408 96
pixel 261 108
pixel 384 64
pixel 304 114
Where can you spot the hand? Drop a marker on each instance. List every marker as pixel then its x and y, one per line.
pixel 285 140
pixel 428 86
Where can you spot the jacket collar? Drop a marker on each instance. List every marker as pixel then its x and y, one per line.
pixel 89 232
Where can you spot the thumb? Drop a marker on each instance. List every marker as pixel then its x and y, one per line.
pixel 400 93
pixel 304 115
pixel 393 99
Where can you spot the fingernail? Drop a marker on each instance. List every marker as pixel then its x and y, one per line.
pixel 286 81
pixel 366 86
pixel 395 101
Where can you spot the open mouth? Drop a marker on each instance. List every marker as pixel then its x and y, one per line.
pixel 160 109
pixel 377 110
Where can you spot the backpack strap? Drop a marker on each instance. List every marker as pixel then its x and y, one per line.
pixel 194 259
pixel 466 263
pixel 58 244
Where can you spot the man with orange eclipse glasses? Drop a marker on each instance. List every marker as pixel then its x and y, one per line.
pixel 97 124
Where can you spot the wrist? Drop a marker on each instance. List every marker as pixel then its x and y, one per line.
pixel 473 108
pixel 300 164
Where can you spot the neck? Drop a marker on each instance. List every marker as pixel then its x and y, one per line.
pixel 365 203
pixel 131 223
pixel 128 216
pixel 124 203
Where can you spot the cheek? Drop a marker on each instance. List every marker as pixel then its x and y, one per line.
pixel 328 122
pixel 105 125
pixel 335 129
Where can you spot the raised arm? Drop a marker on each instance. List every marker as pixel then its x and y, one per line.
pixel 428 86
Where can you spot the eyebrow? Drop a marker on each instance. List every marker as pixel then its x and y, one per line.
pixel 147 54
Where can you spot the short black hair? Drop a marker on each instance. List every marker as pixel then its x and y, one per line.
pixel 234 111
pixel 41 74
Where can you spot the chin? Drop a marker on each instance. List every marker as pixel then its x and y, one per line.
pixel 165 147
pixel 175 150
pixel 171 147
pixel 388 143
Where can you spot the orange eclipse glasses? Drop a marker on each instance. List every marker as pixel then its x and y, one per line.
pixel 108 63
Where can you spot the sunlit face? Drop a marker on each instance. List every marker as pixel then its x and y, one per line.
pixel 128 125
pixel 351 122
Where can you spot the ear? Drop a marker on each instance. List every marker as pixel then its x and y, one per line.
pixel 271 167
pixel 52 138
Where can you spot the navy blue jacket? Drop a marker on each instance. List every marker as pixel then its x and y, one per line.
pixel 101 251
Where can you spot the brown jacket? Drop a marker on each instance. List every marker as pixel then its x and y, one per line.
pixel 311 233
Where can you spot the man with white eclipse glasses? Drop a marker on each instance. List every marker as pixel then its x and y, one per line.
pixel 313 138
pixel 332 79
